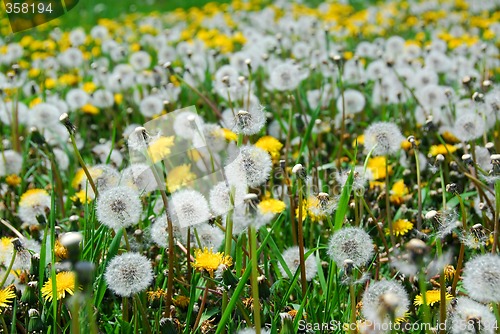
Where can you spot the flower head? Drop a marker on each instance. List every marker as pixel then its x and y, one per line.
pixel 189 207
pixel 291 256
pixel 65 283
pixel 481 278
pixel 207 260
pixel 271 145
pixel 385 297
pixel 128 274
pixel 119 207
pixel 33 203
pixel 5 297
pixel 272 205
pixel 351 243
pixel 383 138
pixel 469 316
pixel 400 227
pixel 431 297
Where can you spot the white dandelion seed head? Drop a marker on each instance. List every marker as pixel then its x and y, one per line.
pixel 468 316
pixel 483 158
pixel 351 243
pixel 77 98
pixel 189 207
pixel 469 126
pixel 252 162
pixel 44 115
pixel 220 199
pixel 33 204
pixel 104 176
pixel 159 230
pixel 384 138
pixel 119 207
pixel 291 256
pixel 246 122
pixel 353 100
pixel 285 76
pixel 128 274
pixel 481 278
pixel 140 60
pixel 6 112
pixel 139 177
pixel 373 309
pixel 211 135
pixel 360 178
pixel 207 235
pixel 248 214
pixel 186 124
pixel 151 105
pixel 11 162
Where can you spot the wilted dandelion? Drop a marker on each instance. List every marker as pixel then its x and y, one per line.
pixel 351 243
pixel 291 256
pixel 65 283
pixel 128 274
pixel 119 207
pixel 481 278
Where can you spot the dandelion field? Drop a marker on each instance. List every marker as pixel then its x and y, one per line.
pixel 252 167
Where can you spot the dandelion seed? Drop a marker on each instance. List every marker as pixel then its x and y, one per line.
pixel 119 207
pixel 291 256
pixel 351 243
pixel 481 278
pixel 384 138
pixel 128 274
pixel 65 283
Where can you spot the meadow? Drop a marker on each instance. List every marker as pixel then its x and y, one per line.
pixel 252 167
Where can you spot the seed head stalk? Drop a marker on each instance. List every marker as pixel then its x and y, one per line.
pixel 255 282
pixel 300 237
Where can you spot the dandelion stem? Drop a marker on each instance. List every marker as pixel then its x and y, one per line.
pixel 352 295
pixel 125 309
pixel 442 290
pixel 4 325
pixel 388 203
pixel 462 248
pixel 497 218
pixel 228 241
pixel 144 316
pixel 9 268
pixel 82 163
pixel 300 236
pixel 255 283
pixel 419 190
pixel 202 307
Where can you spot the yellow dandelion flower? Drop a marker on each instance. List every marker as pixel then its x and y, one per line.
pixel 272 205
pixel 160 148
pixel 5 297
pixel 441 149
pixel 156 294
pixel 310 209
pixel 65 283
pixel 35 101
pixel 181 302
pixel 90 109
pixel 13 180
pixel 271 145
pixel 81 196
pixel 449 272
pixel 60 251
pixel 79 176
pixel 210 261
pixel 179 176
pixel 400 227
pixel 118 98
pixel 398 192
pixel 89 87
pixel 230 135
pixel 431 297
pixel 377 167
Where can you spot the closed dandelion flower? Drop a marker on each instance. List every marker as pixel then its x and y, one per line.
pixel 11 162
pixel 6 296
pixel 255 164
pixel 119 207
pixel 351 243
pixel 189 207
pixel 481 278
pixel 291 256
pixel 472 317
pixel 128 274
pixel 65 283
pixel 33 203
pixel 469 126
pixel 272 205
pixel 376 309
pixel 383 138
pixel 401 227
pixel 431 297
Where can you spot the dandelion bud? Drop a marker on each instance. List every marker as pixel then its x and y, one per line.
pixel 412 141
pixel 35 324
pixel 300 171
pixel 451 187
pixel 466 80
pixel 64 119
pixel 29 295
pixel 440 158
pixel 248 62
pixel 467 159
pixel 431 214
pixel 489 146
